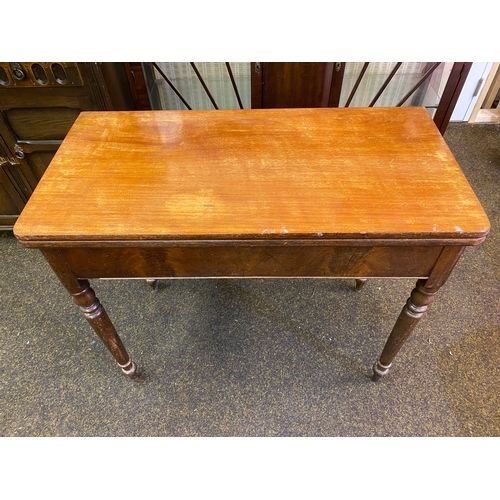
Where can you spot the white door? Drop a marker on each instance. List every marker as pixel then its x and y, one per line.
pixel 470 93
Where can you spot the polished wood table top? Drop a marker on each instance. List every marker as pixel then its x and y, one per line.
pixel 334 193
pixel 377 173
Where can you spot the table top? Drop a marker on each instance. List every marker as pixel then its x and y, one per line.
pixel 378 173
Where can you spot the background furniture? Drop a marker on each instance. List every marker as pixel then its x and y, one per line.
pixel 38 104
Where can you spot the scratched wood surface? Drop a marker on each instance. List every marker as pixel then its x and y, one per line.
pixel 271 173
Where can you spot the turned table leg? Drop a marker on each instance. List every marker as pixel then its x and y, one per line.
pixel 360 283
pixel 153 284
pixel 420 298
pixel 84 296
pixel 416 305
pixel 99 320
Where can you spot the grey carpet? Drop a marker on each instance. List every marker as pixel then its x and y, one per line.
pixel 259 357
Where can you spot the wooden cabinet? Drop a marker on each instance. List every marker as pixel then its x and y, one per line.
pixel 296 84
pixel 38 104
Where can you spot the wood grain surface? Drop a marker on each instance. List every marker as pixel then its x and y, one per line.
pixel 247 261
pixel 378 173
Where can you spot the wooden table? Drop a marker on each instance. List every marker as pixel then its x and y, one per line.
pixel 326 193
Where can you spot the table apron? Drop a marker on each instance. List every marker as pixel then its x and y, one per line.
pixel 238 261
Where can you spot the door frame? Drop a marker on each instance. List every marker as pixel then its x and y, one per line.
pixel 485 98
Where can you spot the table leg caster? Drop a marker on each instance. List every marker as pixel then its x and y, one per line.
pixel 380 370
pixel 129 369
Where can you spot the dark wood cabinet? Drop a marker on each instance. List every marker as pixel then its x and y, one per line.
pixel 296 84
pixel 39 102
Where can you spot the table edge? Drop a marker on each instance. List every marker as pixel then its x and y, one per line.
pixel 270 242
